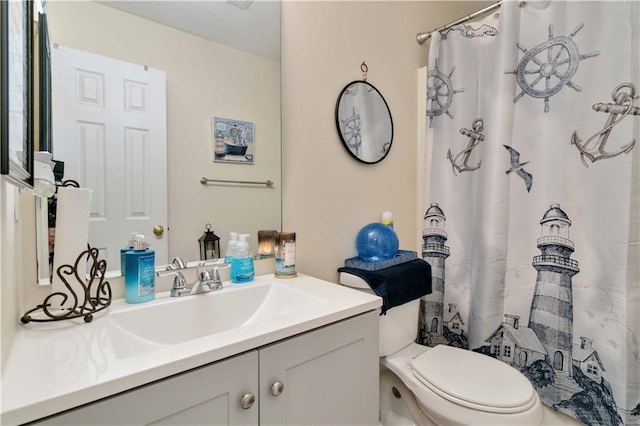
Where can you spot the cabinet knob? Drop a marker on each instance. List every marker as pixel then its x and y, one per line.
pixel 277 388
pixel 247 401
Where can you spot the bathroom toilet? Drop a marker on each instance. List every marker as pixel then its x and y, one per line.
pixel 444 385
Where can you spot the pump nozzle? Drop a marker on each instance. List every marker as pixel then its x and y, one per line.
pixel 139 243
pixel 132 238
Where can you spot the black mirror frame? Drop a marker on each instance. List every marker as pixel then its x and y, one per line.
pixel 19 174
pixel 44 85
pixel 344 143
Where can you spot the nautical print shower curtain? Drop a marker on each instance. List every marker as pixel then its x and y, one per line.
pixel 532 199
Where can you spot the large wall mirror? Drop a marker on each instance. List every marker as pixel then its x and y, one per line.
pixel 219 59
pixel 16 87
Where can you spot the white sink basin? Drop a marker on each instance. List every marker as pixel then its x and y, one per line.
pixel 178 320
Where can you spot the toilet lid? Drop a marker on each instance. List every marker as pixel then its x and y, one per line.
pixel 473 380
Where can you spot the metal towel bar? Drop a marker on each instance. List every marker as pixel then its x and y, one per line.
pixel 205 181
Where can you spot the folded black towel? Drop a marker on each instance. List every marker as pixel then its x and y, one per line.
pixel 397 284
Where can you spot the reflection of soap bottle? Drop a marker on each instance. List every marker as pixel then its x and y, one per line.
pixel 139 276
pixel 126 249
pixel 231 250
pixel 233 241
pixel 285 255
pixel 242 269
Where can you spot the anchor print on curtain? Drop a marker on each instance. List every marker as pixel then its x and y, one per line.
pixel 532 200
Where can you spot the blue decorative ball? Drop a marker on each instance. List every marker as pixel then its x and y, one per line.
pixel 376 242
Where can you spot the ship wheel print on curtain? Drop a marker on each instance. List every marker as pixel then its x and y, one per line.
pixel 544 70
pixel 440 93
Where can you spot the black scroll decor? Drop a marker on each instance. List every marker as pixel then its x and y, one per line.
pixel 95 296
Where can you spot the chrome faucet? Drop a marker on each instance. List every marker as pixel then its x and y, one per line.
pixel 206 282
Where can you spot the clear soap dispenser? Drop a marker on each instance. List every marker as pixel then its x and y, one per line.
pixel 233 242
pixel 242 268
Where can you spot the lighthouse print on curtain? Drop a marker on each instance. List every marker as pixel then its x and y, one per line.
pixel 532 200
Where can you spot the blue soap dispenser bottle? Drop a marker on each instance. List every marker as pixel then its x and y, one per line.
pixel 242 268
pixel 140 274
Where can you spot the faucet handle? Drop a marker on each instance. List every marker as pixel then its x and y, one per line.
pixel 178 263
pixel 221 266
pixel 206 283
pixel 204 276
pixel 167 272
pixel 215 275
pixel 208 262
pixel 215 271
pixel 179 282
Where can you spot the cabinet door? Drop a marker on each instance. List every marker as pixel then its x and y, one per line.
pixel 209 395
pixel 329 376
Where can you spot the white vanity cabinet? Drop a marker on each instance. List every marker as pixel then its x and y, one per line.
pixel 329 376
pixel 205 395
pixel 326 376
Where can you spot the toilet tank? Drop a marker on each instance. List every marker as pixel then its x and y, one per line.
pixel 399 327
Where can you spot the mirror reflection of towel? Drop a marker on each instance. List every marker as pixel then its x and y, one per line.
pixel 397 284
pixel 71 237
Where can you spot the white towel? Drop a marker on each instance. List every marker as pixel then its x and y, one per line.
pixel 72 235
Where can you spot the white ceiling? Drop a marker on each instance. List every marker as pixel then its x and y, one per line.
pixel 255 30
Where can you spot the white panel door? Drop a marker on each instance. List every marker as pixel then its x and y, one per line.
pixel 109 128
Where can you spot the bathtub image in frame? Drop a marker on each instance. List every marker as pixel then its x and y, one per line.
pixel 233 141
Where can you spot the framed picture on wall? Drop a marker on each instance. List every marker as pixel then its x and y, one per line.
pixel 233 141
pixel 16 91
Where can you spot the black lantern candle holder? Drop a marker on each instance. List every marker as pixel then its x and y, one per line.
pixel 209 244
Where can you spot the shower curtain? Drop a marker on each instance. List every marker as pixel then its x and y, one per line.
pixel 532 199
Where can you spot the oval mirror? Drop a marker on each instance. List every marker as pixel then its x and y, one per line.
pixel 364 122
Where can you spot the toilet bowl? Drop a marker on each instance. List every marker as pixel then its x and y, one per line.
pixel 444 385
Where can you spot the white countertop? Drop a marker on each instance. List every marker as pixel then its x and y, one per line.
pixel 56 366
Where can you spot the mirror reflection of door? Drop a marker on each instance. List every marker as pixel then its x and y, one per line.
pixel 109 129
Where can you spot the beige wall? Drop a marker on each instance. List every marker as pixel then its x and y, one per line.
pixel 328 196
pixel 10 263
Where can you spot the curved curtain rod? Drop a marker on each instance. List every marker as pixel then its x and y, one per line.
pixel 422 37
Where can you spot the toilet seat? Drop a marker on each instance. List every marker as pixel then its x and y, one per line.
pixel 450 394
pixel 473 380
